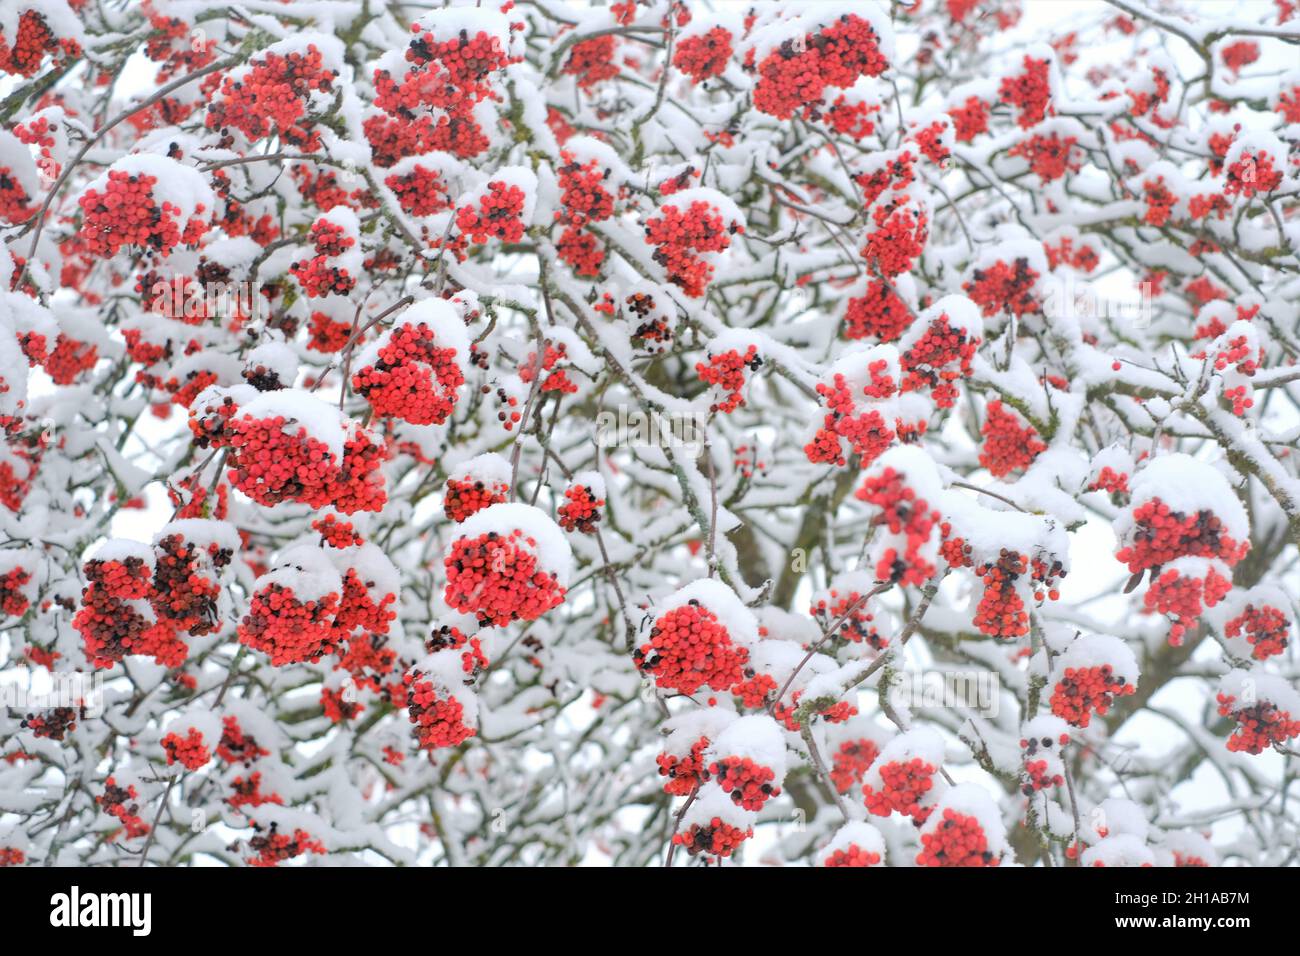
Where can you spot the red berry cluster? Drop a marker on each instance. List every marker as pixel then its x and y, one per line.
pixel 716 839
pixel 69 359
pixel 327 335
pixel 420 191
pixel 690 648
pixel 54 724
pixel 176 58
pixel 726 372
pixel 558 380
pixel 1182 596
pixel 13 601
pixel 438 719
pixel 184 590
pixel 898 238
pixel 1030 92
pixel 1004 287
pixel 496 577
pixel 112 626
pixel 247 792
pixel 236 746
pixel 32 42
pixel 704 55
pixel 851 761
pixel 853 856
pixel 1162 535
pixel 866 431
pixel 127 214
pixel 499 214
pixel 1251 174
pixel 1108 479
pixel 412 377
pixel 288 629
pixel 681 237
pixel 122 803
pixel 958 840
pixel 463 498
pixel 748 782
pixel 937 360
pixel 857 627
pixel 1083 691
pixel 592 61
pixel 189 751
pixel 270 464
pixel 686 772
pixel 903 786
pixel 970 119
pixel 581 510
pixel 1258 727
pixel 879 314
pixel 1008 445
pixel 1160 202
pixel 274 847
pixel 797 73
pixel 904 514
pixel 1265 628
pixel 272 96
pixel 336 533
pixel 12 856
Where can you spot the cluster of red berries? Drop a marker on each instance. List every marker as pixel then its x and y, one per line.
pixel 463 498
pixel 15 205
pixel 1251 174
pixel 288 629
pixel 451 74
pixel 866 431
pixel 420 191
pixel 853 856
pixel 54 724
pixel 13 599
pixel 681 237
pixel 496 577
pixel 1008 445
pixel 748 782
pixel 1083 257
pixel 319 277
pixel 274 847
pixel 1083 691
pixel 715 839
pixel 127 214
pixel 797 73
pixel 498 215
pixel 686 772
pixel 247 792
pixel 905 515
pixel 690 648
pixel 188 55
pixel 904 784
pixel 412 378
pixel 1181 595
pixel 1001 612
pixel 1258 727
pixel 726 372
pixel 558 380
pixel 184 591
pixel 937 360
pixel 272 98
pixel 358 611
pixel 69 359
pixel 851 761
pixel 122 803
pixel 970 119
pixel 112 626
pixel 958 840
pixel 592 61
pixel 438 719
pixel 236 746
pixel 1004 287
pixel 1030 92
pixel 879 314
pixel 12 856
pixel 857 626
pixel 189 751
pixel 336 533
pixel 1160 202
pixel 581 510
pixel 1108 479
pixel 32 42
pixel 1162 535
pixel 326 334
pixel 1265 628
pixel 898 238
pixel 704 55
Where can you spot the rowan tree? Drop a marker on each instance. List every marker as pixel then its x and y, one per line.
pixel 540 433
